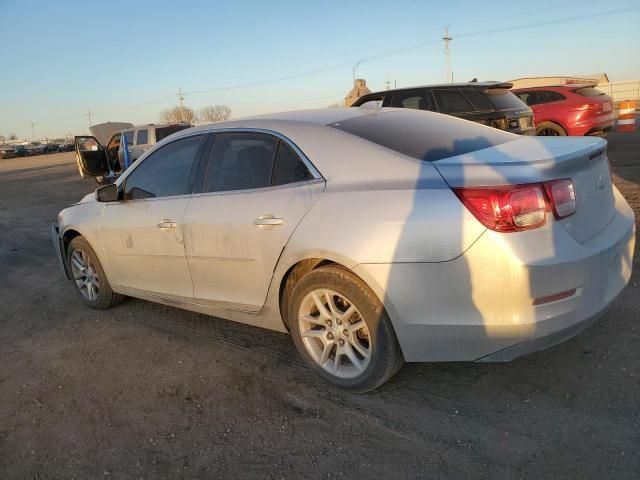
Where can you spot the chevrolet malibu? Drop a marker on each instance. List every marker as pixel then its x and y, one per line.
pixel 372 237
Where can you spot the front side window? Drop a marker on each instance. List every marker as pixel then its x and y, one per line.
pixel 418 100
pixel 143 137
pixel 240 161
pixel 165 172
pixel 452 101
pixel 289 167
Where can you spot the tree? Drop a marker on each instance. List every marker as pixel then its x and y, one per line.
pixel 214 113
pixel 178 114
pixel 13 136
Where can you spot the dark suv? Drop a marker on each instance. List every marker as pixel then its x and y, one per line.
pixel 488 103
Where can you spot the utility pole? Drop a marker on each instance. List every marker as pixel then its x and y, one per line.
pixel 447 39
pixel 355 66
pixel 387 83
pixel 180 99
pixel 33 132
pixel 88 114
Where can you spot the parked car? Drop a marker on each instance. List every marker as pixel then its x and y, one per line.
pixel 7 151
pixel 51 148
pixel 22 151
pixel 574 110
pixel 487 103
pixel 37 148
pixel 373 236
pixel 105 140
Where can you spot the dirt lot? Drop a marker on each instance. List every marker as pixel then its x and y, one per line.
pixel 147 391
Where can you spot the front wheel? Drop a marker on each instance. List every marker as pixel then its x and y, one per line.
pixel 88 276
pixel 342 330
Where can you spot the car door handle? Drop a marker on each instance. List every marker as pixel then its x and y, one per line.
pixel 268 220
pixel 166 224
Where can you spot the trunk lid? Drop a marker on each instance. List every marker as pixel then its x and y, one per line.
pixel 532 160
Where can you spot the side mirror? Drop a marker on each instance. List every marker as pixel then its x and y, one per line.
pixel 108 193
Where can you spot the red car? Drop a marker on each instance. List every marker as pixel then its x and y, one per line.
pixel 569 109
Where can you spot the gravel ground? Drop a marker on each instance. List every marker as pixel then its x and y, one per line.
pixel 148 391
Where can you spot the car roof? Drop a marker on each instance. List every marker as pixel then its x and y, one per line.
pixel 570 86
pixel 475 85
pixel 154 125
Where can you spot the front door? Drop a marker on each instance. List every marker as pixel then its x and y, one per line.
pixel 91 156
pixel 142 234
pixel 255 192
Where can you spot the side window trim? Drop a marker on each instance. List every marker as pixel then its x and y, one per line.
pixel 192 171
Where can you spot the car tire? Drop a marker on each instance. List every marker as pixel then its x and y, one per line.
pixel 550 129
pixel 88 277
pixel 341 329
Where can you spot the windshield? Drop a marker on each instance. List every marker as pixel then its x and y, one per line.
pixel 164 132
pixel 423 135
pixel 503 99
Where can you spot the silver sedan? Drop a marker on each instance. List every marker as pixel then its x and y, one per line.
pixel 373 237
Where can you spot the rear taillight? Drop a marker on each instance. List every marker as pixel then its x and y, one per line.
pixel 514 208
pixel 562 197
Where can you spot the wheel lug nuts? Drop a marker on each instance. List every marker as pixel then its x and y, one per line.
pixel 330 336
pixel 338 321
pixel 345 332
pixel 329 323
pixel 341 342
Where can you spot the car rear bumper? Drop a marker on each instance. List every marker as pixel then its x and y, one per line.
pixel 480 306
pixel 594 126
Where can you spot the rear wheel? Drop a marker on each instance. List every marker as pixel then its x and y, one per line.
pixel 88 276
pixel 342 330
pixel 550 129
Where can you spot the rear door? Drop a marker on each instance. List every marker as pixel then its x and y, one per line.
pixel 452 102
pixel 256 188
pixel 91 156
pixel 419 99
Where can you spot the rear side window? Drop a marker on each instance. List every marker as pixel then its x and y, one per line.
pixel 163 132
pixel 479 99
pixel 422 136
pixel 537 97
pixel 143 137
pixel 289 167
pixel 129 137
pixel 452 101
pixel 503 99
pixel 416 99
pixel 588 92
pixel 165 172
pixel 240 161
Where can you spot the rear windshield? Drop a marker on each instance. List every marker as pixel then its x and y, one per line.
pixel 503 99
pixel 588 92
pixel 423 135
pixel 163 132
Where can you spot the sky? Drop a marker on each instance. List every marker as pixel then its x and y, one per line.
pixel 126 60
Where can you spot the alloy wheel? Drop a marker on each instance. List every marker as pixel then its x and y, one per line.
pixel 334 333
pixel 85 275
